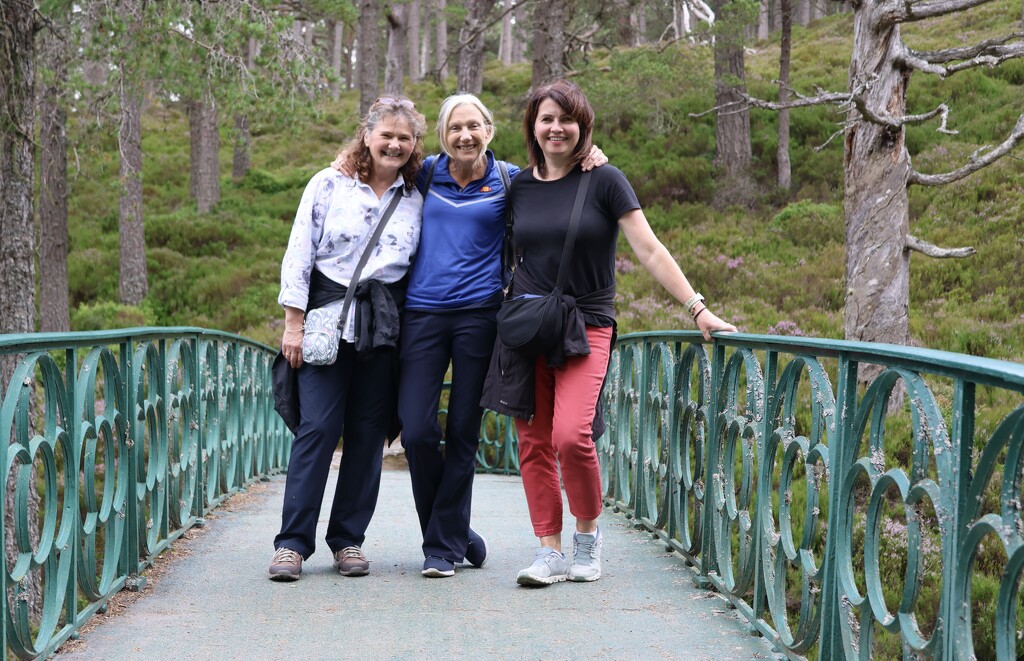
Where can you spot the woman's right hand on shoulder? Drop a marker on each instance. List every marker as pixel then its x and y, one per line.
pixel 339 164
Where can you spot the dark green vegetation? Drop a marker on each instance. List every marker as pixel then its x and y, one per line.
pixel 775 268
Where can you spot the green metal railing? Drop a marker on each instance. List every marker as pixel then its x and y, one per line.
pixel 130 437
pixel 789 487
pixel 764 464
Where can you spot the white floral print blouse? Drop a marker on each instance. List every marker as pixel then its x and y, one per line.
pixel 336 217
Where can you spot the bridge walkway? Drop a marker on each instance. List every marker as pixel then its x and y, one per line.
pixel 212 599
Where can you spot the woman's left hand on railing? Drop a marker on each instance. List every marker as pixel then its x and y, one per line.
pixel 708 322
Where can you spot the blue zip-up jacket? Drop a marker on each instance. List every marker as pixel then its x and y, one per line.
pixel 458 263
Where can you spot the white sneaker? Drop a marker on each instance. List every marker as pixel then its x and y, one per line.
pixel 586 556
pixel 549 566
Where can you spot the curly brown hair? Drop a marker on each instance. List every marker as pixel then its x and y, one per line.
pixel 356 155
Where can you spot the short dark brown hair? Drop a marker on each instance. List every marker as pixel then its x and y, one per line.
pixel 356 154
pixel 573 101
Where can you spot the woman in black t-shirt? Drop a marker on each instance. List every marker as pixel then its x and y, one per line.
pixel 555 409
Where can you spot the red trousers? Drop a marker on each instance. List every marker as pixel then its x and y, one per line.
pixel 560 436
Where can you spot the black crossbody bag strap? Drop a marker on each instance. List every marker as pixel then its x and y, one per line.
pixel 570 235
pixel 365 257
pixel 507 247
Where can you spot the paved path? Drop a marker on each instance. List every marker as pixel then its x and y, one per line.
pixel 215 602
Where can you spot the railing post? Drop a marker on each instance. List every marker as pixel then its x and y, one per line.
pixel 130 455
pixel 764 480
pixel 955 640
pixel 74 430
pixel 830 642
pixel 709 563
pixel 197 389
pixel 643 410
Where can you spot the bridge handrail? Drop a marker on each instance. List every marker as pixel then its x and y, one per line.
pixel 713 452
pixel 134 434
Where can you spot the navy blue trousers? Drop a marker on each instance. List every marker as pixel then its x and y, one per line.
pixel 442 480
pixel 354 398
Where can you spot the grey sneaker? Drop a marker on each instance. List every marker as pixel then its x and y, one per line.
pixel 286 565
pixel 549 566
pixel 586 556
pixel 350 561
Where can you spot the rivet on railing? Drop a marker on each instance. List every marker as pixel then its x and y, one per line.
pixel 128 442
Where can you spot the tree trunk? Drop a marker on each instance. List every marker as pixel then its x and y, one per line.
pixel 133 280
pixel 732 125
pixel 240 161
pixel 628 29
pixel 335 33
pixel 204 183
pixel 441 40
pixel 762 20
pixel 17 278
pixel 784 174
pixel 548 42
pixel 54 315
pixel 505 45
pixel 425 50
pixel 471 37
pixel 875 198
pixel 394 72
pixel 519 35
pixel 414 41
pixel 368 53
pixel 803 12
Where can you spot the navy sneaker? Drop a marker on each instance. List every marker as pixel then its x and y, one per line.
pixel 435 567
pixel 476 552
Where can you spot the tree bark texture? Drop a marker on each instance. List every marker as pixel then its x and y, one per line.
pixel 441 39
pixel 54 315
pixel 784 174
pixel 413 39
pixel 132 278
pixel 17 175
pixel 505 45
pixel 240 161
pixel 548 42
pixel 732 124
pixel 425 43
pixel 368 53
pixel 204 182
pixel 875 199
pixel 471 37
pixel 335 33
pixel 803 12
pixel 17 278
pixel 762 20
pixel 398 30
pixel 519 35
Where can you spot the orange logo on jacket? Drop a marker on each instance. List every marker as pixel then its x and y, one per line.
pixel 485 189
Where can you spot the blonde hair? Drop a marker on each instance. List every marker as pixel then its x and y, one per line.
pixel 449 105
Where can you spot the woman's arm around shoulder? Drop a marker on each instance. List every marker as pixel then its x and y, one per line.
pixel 655 257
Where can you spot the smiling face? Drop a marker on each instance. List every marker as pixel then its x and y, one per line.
pixel 556 132
pixel 467 134
pixel 391 144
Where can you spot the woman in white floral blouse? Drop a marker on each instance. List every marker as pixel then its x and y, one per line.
pixel 354 397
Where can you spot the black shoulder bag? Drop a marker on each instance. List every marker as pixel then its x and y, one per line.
pixel 530 324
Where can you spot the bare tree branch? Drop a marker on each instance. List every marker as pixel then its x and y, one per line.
pixel 907 12
pixel 989 53
pixel 925 248
pixel 974 163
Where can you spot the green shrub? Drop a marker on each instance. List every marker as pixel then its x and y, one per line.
pixel 107 315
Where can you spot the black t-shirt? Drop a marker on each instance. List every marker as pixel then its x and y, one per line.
pixel 541 211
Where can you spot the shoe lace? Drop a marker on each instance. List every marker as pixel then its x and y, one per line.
pixel 585 549
pixel 285 555
pixel 350 552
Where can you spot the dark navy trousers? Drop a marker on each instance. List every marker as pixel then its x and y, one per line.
pixel 354 399
pixel 442 480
